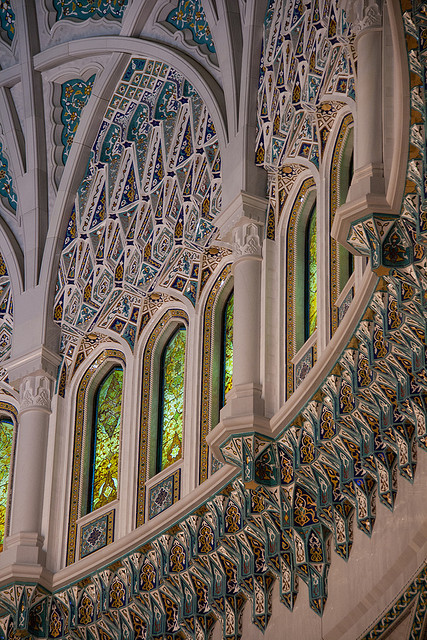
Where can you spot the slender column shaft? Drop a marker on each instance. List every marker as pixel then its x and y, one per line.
pixel 247 306
pixel 369 147
pixel 30 459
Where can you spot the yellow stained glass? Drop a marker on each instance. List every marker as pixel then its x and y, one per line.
pixel 106 443
pixel 227 348
pixel 311 276
pixel 172 400
pixel 6 442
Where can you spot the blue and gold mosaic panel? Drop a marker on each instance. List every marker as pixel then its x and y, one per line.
pixel 164 494
pixel 6 185
pixel 72 10
pixel 189 15
pixel 7 19
pixel 97 534
pixel 306 59
pixel 74 96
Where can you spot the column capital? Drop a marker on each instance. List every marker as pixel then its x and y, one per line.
pixel 247 241
pixel 35 393
pixel 364 14
pixel 244 208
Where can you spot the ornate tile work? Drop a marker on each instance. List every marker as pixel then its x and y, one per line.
pixel 303 367
pixel 307 59
pixel 74 96
pixel 97 534
pixel 322 475
pixel 144 214
pixel 6 311
pixel 7 19
pixel 78 452
pixel 208 350
pixel 189 15
pixel 164 494
pixel 6 187
pixel 69 9
pixel 345 304
pixel 144 451
pixel 415 595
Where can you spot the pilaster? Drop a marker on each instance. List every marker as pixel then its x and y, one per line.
pixel 244 412
pixel 23 556
pixel 367 210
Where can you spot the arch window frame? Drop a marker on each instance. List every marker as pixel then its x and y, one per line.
pixel 212 344
pixel 86 388
pixel 156 337
pixel 308 275
pixel 158 433
pixel 90 443
pixel 223 372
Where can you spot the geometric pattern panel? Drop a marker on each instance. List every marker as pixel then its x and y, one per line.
pixel 144 214
pixel 164 494
pixel 97 534
pixel 306 60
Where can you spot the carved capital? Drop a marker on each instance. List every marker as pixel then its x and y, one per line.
pixel 35 393
pixel 247 241
pixel 364 14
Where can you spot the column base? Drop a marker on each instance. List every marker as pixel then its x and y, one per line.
pixel 243 413
pixel 365 197
pixel 24 559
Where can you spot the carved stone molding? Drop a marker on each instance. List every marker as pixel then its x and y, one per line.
pixel 246 241
pixel 35 393
pixel 364 14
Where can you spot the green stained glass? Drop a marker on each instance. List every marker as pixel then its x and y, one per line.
pixel 172 400
pixel 106 443
pixel 6 440
pixel 227 347
pixel 311 277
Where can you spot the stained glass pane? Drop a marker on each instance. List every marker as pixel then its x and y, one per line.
pixel 6 440
pixel 172 400
pixel 227 348
pixel 105 461
pixel 311 284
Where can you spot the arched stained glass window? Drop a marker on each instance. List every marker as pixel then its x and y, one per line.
pixel 171 400
pixel 311 274
pixel 104 458
pixel 227 348
pixel 6 443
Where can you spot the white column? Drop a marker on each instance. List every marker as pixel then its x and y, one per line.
pixel 30 458
pixel 247 305
pixel 366 16
pixel 33 374
pixel 367 191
